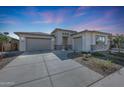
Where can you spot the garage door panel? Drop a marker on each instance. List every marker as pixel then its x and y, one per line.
pixel 38 44
pixel 78 44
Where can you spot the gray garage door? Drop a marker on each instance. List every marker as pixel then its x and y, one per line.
pixel 78 43
pixel 34 44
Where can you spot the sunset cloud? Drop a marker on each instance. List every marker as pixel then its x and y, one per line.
pixel 81 11
pixel 98 23
pixel 47 17
pixel 108 19
pixel 50 17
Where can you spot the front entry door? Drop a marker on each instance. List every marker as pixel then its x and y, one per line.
pixel 65 43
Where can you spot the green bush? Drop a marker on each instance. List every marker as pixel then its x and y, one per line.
pixel 83 52
pixel 98 54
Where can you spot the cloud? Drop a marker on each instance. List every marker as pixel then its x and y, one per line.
pixel 111 28
pixel 110 13
pixel 79 14
pixel 11 22
pixel 49 17
pixel 81 11
pixel 100 23
pixel 81 8
pixel 38 17
pixel 61 16
pixel 30 11
pixel 44 17
pixel 3 15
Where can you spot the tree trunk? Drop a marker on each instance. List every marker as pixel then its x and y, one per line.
pixel 119 48
pixel 110 49
pixel 1 56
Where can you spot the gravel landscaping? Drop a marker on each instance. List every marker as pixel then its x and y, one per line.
pixel 103 67
pixel 98 62
pixel 114 57
pixel 5 61
pixel 8 57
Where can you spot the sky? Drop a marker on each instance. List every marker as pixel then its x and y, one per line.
pixel 46 18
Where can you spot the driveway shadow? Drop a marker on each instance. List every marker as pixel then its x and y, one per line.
pixel 63 55
pixel 36 52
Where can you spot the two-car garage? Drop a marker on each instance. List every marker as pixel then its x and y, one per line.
pixel 35 44
pixel 35 41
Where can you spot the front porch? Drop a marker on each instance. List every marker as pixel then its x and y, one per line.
pixel 99 47
pixel 65 47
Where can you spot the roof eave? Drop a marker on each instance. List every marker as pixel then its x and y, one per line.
pixel 21 33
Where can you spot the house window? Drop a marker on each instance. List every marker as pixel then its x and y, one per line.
pixel 65 33
pixel 100 39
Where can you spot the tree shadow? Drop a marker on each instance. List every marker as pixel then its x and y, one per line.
pixel 8 57
pixel 36 52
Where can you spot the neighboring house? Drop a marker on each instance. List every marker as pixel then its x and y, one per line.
pixel 59 39
pixel 11 45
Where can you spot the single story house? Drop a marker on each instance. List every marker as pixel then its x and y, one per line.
pixel 59 39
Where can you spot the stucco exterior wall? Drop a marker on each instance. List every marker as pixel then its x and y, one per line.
pixel 89 39
pixel 86 41
pixel 75 36
pixel 59 38
pixel 22 43
pixel 59 35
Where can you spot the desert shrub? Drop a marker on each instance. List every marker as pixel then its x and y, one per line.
pixel 83 52
pixel 106 66
pixel 84 59
pixel 118 54
pixel 98 54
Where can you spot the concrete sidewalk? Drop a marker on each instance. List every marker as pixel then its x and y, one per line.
pixel 114 80
pixel 46 70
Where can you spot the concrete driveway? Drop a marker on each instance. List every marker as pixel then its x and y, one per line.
pixel 39 69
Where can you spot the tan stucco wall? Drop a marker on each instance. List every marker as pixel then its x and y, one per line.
pixel 89 39
pixel 59 35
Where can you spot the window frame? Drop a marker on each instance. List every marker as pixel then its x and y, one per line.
pixel 100 39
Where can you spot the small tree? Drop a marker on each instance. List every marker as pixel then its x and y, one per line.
pixel 3 39
pixel 119 39
pixel 110 45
